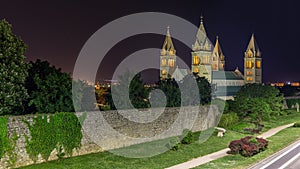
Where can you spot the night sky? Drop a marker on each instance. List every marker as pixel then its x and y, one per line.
pixel 56 30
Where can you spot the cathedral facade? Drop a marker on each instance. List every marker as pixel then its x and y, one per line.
pixel 208 60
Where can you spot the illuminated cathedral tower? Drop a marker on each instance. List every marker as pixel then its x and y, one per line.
pixel 252 63
pixel 167 57
pixel 218 58
pixel 201 54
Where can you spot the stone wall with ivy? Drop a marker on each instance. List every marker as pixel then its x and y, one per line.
pixel 32 139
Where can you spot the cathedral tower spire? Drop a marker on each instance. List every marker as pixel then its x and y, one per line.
pixel 167 57
pixel 218 58
pixel 252 63
pixel 201 54
pixel 168 44
pixel 201 41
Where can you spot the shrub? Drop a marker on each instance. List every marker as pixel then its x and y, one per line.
pixel 288 111
pixel 248 146
pixel 291 102
pixel 262 144
pixel 188 137
pixel 249 150
pixel 253 130
pixel 173 144
pixel 296 124
pixel 253 140
pixel 228 120
pixel 246 140
pixel 239 127
pixel 221 104
pixel 235 146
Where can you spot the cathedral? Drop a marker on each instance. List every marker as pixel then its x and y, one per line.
pixel 209 61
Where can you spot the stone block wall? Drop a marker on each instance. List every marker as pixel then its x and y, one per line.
pixel 107 130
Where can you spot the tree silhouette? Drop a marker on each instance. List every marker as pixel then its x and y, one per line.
pixel 13 71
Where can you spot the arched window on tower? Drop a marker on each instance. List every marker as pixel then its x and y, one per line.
pixel 171 62
pixel 249 78
pixel 249 64
pixel 196 70
pixel 249 73
pixel 171 52
pixel 249 54
pixel 258 64
pixel 206 59
pixel 215 66
pixel 196 60
pixel 215 58
pixel 222 66
pixel 163 62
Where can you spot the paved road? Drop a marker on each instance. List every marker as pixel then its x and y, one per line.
pixel 288 158
pixel 294 165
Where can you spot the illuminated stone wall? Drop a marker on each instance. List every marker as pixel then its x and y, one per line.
pixel 207 117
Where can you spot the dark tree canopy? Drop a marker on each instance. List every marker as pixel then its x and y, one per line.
pixel 88 100
pixel 257 109
pixel 77 93
pixel 138 94
pixel 289 90
pixel 171 91
pixel 129 84
pixel 13 71
pixel 50 90
pixel 188 86
pixel 205 90
pixel 265 94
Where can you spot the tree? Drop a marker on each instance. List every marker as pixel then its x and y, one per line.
pixel 132 85
pixel 138 94
pixel 257 109
pixel 101 92
pixel 288 90
pixel 171 91
pixel 88 102
pixel 189 82
pixel 13 71
pixel 109 99
pixel 50 90
pixel 266 94
pixel 188 88
pixel 77 93
pixel 204 90
pixel 174 94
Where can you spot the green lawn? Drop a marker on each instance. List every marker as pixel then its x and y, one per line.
pixel 282 120
pixel 109 160
pixel 277 142
pixel 185 153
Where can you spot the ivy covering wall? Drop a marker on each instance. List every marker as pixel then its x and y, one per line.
pixel 7 144
pixel 61 131
pixel 3 136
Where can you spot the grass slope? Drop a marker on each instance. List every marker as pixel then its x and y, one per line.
pixel 108 160
pixel 277 142
pixel 169 158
